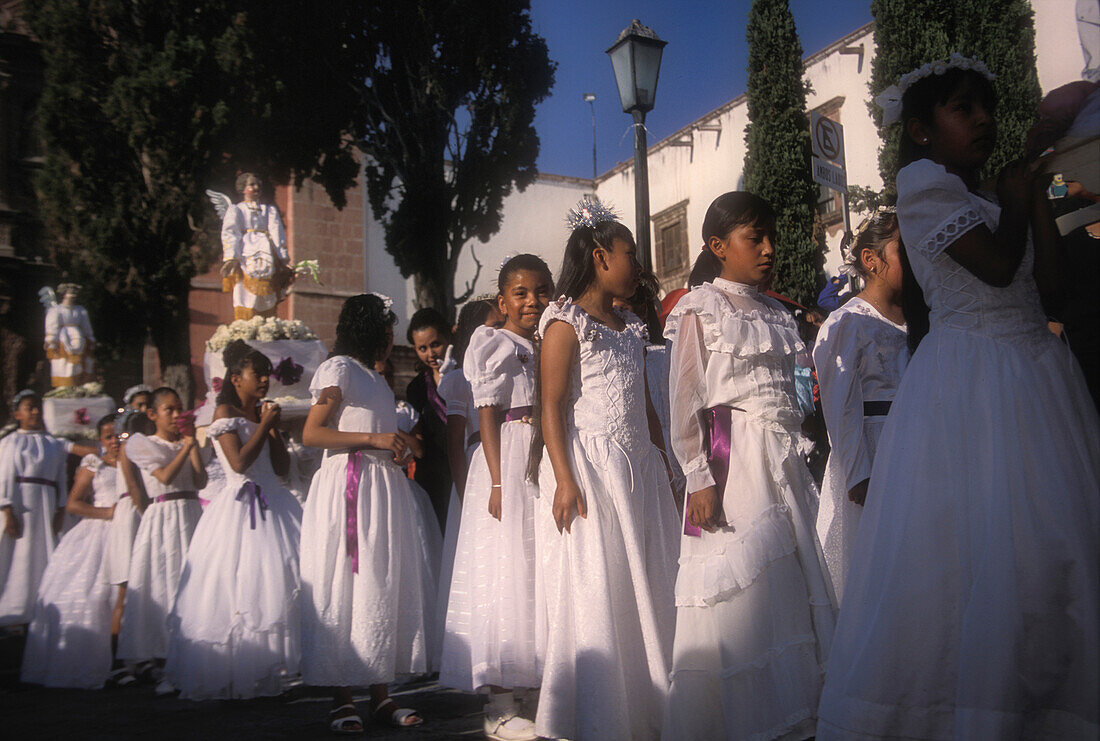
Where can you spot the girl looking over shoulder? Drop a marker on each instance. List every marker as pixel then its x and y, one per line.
pixel 971 608
pixel 754 615
pixel 607 521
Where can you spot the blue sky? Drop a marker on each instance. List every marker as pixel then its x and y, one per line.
pixel 702 68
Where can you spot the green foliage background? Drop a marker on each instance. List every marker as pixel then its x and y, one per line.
pixel 1001 33
pixel 777 163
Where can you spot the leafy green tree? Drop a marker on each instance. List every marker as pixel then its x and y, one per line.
pixel 448 107
pixel 144 105
pixel 777 162
pixel 1001 33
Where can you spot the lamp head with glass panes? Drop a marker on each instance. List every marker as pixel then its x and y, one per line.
pixel 636 59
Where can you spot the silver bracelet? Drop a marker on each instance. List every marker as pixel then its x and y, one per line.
pixel 495 486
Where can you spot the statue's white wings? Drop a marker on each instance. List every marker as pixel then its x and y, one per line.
pixel 221 202
pixel 47 297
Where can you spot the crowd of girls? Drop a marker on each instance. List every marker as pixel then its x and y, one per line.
pixel 620 538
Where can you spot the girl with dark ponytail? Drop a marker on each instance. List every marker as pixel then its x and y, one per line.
pixel 245 551
pixel 606 523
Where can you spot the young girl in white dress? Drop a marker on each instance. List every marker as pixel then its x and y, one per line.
pixel 860 355
pixel 463 438
pixel 607 521
pixel 491 640
pixel 69 640
pixel 32 477
pixel 234 632
pixel 172 472
pixel 971 606
pixel 368 593
pixel 754 611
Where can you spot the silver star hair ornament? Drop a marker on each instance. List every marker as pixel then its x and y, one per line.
pixel 589 212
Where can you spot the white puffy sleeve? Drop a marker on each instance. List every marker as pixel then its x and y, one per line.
pixel 333 372
pixel 91 462
pixel 836 357
pixel 278 233
pixel 934 208
pixel 144 453
pixel 9 489
pixel 451 389
pixel 687 397
pixel 489 364
pixel 233 227
pixel 221 426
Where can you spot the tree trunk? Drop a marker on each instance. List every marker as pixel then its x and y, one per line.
pixel 170 330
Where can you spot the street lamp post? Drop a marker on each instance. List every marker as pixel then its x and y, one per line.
pixel 590 99
pixel 636 60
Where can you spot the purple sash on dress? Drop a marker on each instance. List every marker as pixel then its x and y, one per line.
pixel 716 441
pixel 516 414
pixel 36 480
pixel 351 505
pixel 433 396
pixel 252 492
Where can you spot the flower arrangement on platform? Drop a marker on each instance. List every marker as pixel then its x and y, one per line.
pixel 75 392
pixel 260 329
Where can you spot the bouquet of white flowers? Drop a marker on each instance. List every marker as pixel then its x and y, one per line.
pixel 260 329
pixel 75 392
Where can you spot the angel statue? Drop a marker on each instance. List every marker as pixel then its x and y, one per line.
pixel 69 337
pixel 255 262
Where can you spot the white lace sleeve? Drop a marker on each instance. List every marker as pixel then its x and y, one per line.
pixel 836 358
pixel 146 454
pixel 489 365
pixel 687 390
pixel 91 462
pixel 934 208
pixel 332 372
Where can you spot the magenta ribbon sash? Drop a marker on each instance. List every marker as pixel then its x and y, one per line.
pixel 717 443
pixel 436 401
pixel 516 414
pixel 351 509
pixel 251 492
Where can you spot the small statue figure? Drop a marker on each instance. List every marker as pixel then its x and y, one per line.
pixel 69 338
pixel 255 262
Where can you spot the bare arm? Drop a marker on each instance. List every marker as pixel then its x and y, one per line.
pixel 559 351
pixel 993 257
pixel 132 477
pixel 456 451
pixel 490 419
pixel 317 434
pixel 78 498
pixel 241 457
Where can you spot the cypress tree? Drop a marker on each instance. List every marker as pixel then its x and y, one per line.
pixel 777 161
pixel 1001 33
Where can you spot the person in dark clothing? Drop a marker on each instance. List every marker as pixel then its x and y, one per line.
pixel 430 336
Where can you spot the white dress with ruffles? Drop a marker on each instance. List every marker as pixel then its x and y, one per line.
pixel 235 629
pixel 161 544
pixel 69 640
pixel 492 623
pixel 455 390
pixel 754 610
pixel 971 607
pixel 860 356
pixel 609 582
pixel 368 619
pixel 28 455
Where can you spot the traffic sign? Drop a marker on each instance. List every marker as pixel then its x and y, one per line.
pixel 828 139
pixel 829 175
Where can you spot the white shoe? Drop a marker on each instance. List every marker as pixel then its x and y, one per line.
pixel 509 728
pixel 165 688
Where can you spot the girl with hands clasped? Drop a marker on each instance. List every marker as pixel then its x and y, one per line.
pixel 860 355
pixel 368 587
pixel 607 520
pixel 234 629
pixel 754 612
pixel 172 472
pixel 491 641
pixel 971 607
pixel 69 640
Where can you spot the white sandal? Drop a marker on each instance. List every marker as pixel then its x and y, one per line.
pixel 397 717
pixel 339 725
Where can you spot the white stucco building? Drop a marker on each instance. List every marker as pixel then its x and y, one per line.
pixel 689 168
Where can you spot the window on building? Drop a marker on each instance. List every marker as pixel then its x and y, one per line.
pixel 671 247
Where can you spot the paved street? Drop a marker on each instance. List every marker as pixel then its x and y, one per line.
pixel 28 712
